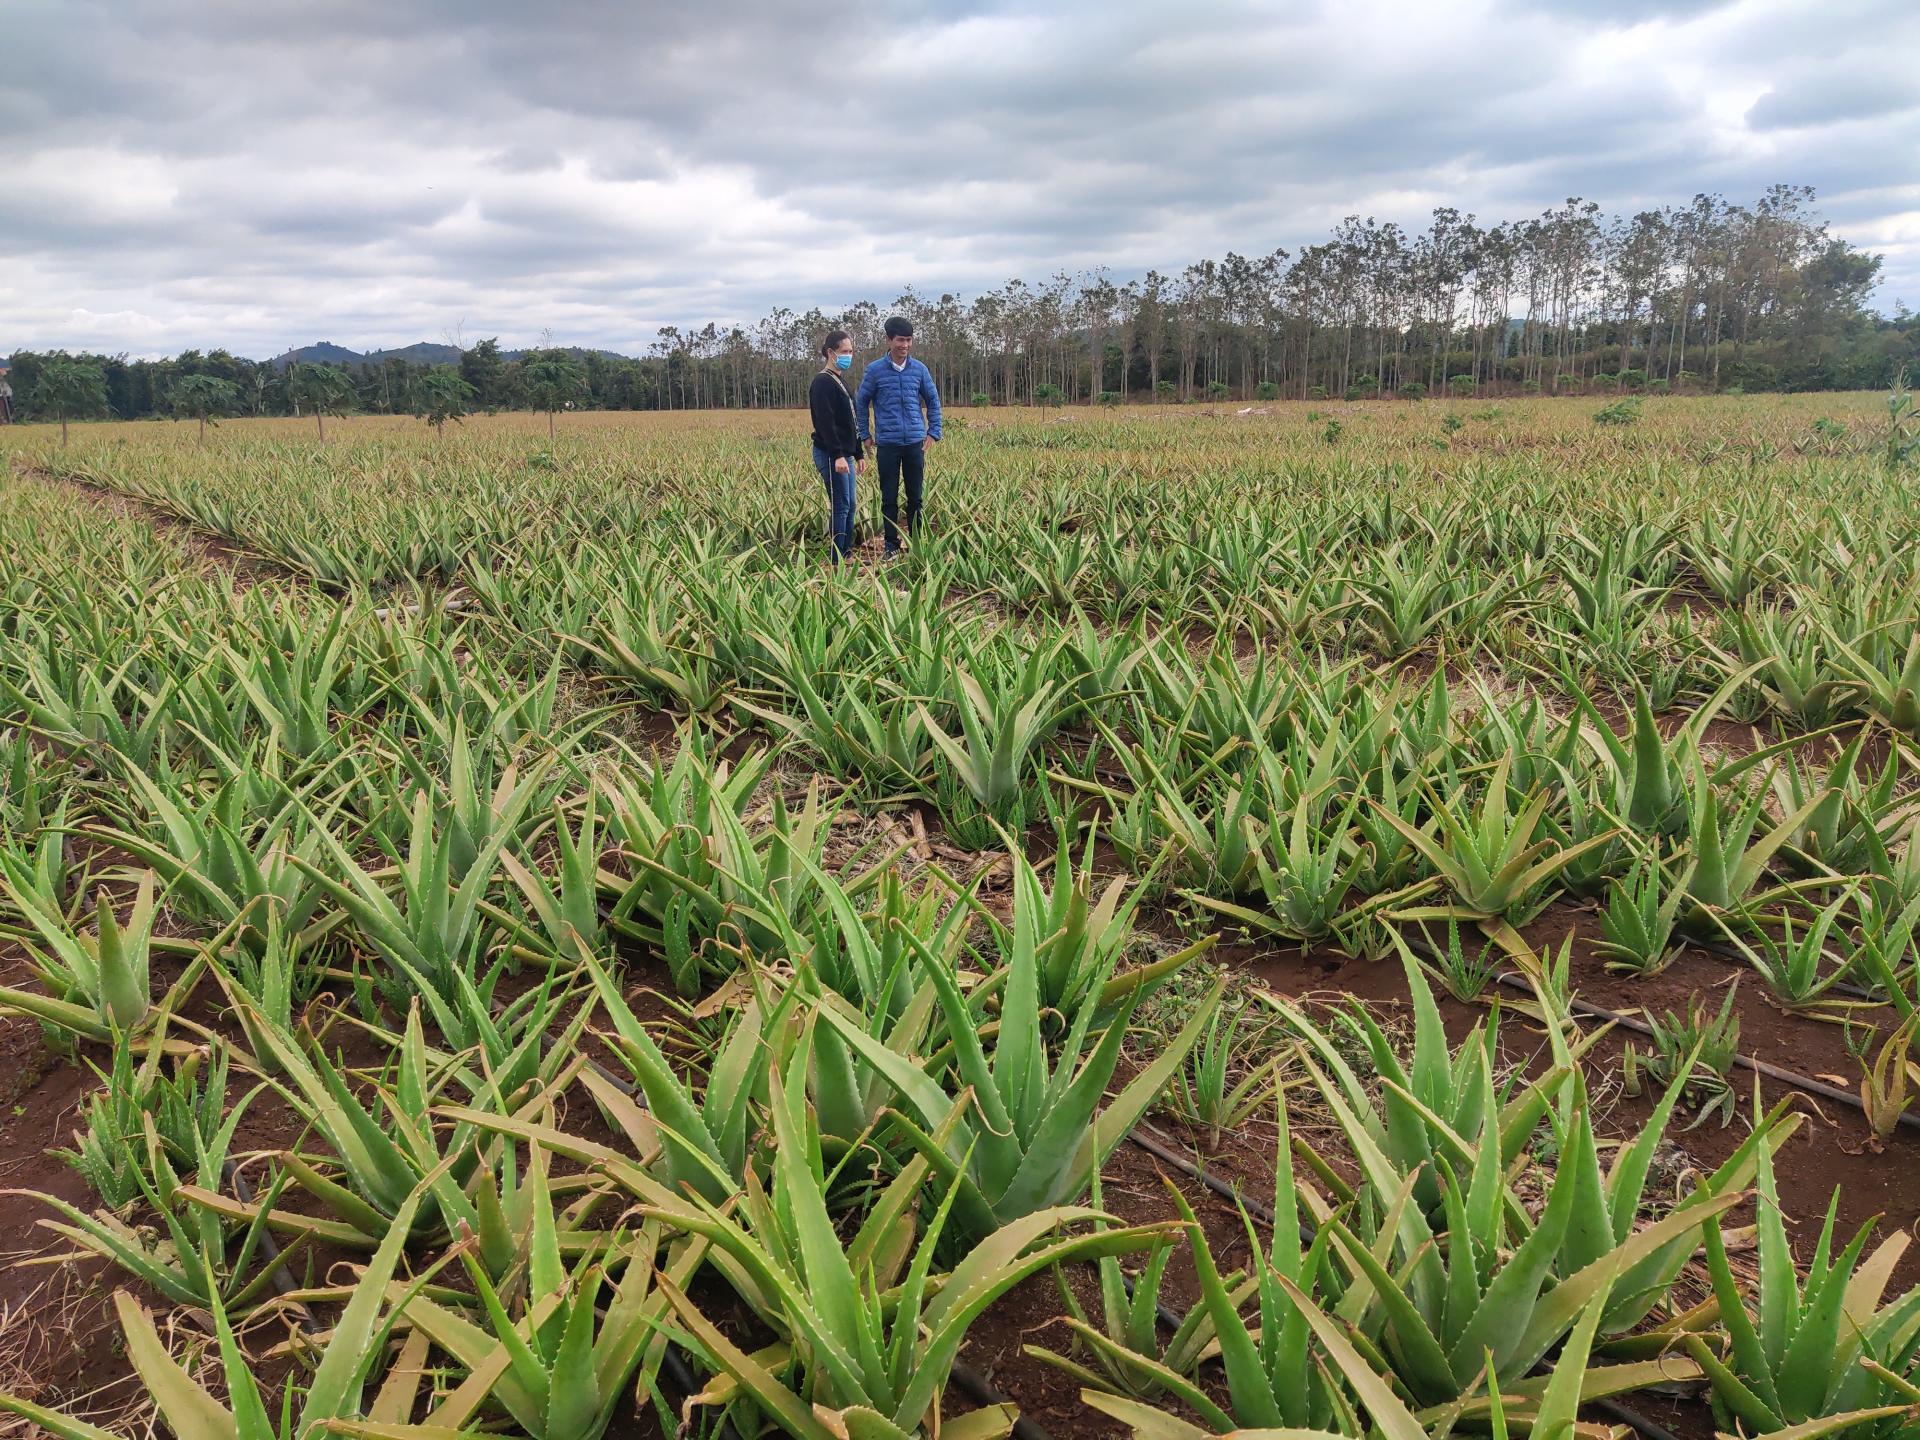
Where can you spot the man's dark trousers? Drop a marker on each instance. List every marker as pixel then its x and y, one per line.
pixel 912 459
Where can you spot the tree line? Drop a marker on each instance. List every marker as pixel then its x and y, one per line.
pixel 1710 295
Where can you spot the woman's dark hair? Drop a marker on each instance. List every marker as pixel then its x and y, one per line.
pixel 832 342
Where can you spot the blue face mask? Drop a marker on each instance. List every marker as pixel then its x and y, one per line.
pixel 844 362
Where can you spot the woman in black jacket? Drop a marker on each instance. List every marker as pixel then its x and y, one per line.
pixel 836 441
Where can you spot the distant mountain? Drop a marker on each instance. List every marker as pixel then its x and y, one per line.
pixel 423 352
pixel 325 353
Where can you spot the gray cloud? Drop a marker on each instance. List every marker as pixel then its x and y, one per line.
pixel 220 172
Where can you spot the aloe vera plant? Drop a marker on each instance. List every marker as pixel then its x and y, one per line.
pixel 431 942
pixel 1823 1357
pixel 334 1396
pixel 1125 1350
pixel 999 731
pixel 1027 1130
pixel 97 984
pixel 702 1141
pixel 1270 1380
pixel 187 1258
pixel 1642 912
pixel 1078 943
pixel 1219 1088
pixel 1727 862
pixel 1797 967
pixel 1313 869
pixel 871 1337
pixel 1694 1051
pixel 552 1359
pixel 1496 862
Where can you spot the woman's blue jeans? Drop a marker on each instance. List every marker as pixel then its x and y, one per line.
pixel 839 500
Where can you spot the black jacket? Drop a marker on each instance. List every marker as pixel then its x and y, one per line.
pixel 833 427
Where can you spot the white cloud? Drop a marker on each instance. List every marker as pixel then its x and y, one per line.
pixel 202 172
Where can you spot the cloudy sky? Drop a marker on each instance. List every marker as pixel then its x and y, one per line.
pixel 204 172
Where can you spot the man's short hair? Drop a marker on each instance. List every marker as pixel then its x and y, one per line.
pixel 899 326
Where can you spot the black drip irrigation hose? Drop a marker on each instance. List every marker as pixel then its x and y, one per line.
pixel 970 1382
pixel 270 1252
pixel 1748 1062
pixel 1632 1419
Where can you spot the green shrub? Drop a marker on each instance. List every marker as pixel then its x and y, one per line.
pixel 1316 392
pixel 1333 432
pixel 1266 390
pixel 1632 379
pixel 1413 390
pixel 1658 387
pixel 1217 390
pixel 1566 382
pixel 1164 389
pixel 1049 395
pixel 1624 411
pixel 1109 397
pixel 1530 387
pixel 1461 384
pixel 981 400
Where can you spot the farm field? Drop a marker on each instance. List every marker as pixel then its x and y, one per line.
pixel 1376 918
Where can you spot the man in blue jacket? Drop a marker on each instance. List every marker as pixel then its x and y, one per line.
pixel 895 388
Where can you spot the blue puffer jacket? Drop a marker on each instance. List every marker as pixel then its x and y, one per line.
pixel 895 397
